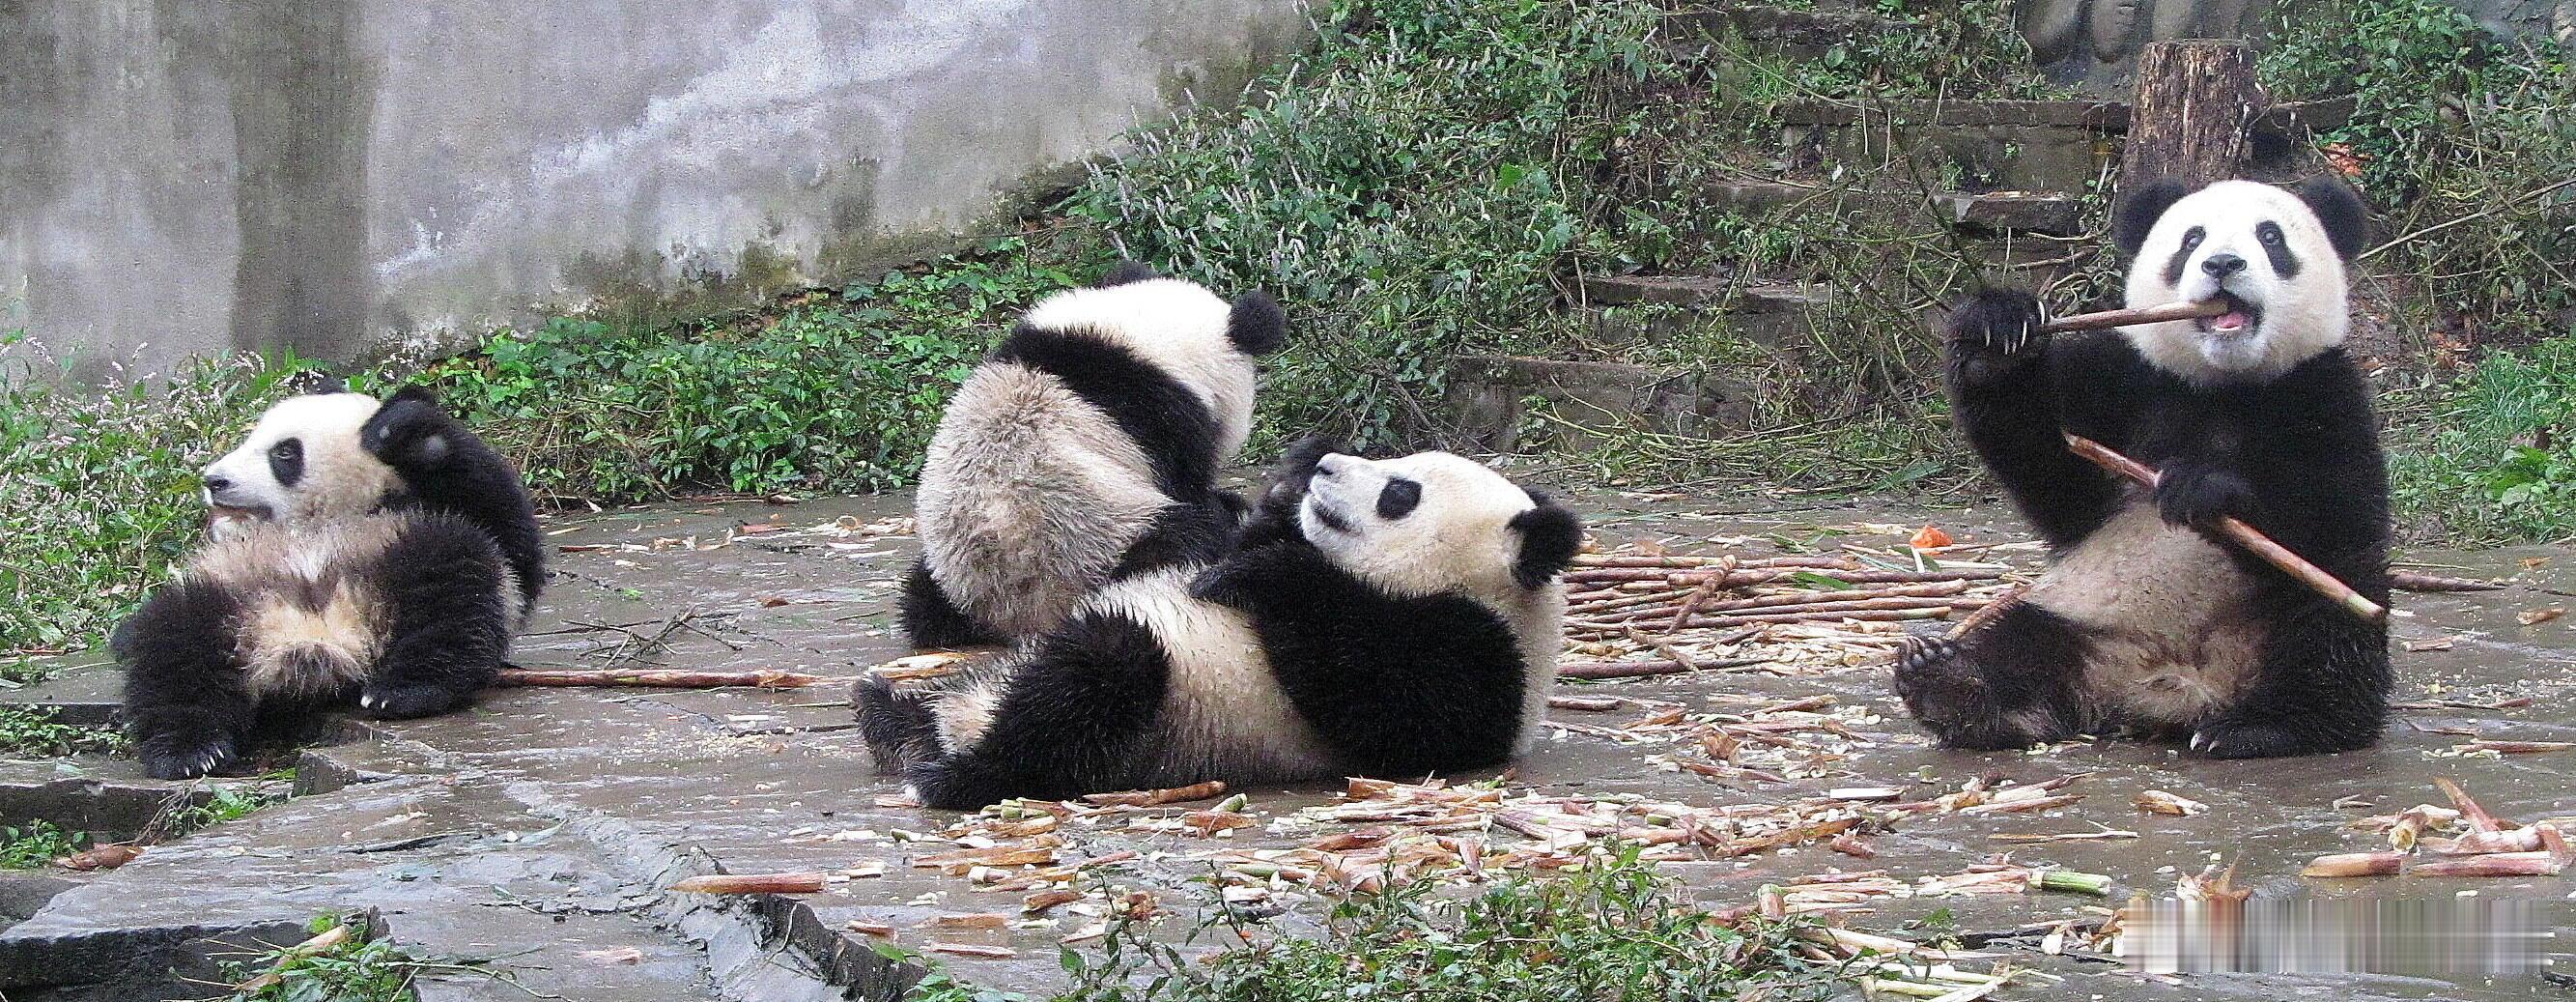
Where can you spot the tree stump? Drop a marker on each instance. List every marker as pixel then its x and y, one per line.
pixel 2195 100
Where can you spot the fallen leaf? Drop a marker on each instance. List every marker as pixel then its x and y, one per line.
pixel 624 956
pixel 2535 617
pixel 104 857
pixel 1929 538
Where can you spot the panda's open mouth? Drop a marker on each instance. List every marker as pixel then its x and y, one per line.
pixel 2240 319
pixel 235 513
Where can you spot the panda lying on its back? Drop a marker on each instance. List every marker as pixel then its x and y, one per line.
pixel 1394 617
pixel 2143 619
pixel 1084 449
pixel 380 552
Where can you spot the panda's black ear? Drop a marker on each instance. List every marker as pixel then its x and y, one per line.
pixel 415 393
pixel 1550 537
pixel 2139 209
pixel 1127 270
pixel 2339 208
pixel 1257 326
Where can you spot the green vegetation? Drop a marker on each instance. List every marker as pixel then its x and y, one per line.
pixel 33 732
pixel 38 843
pixel 354 969
pixel 2495 457
pixel 832 391
pixel 1614 933
pixel 98 491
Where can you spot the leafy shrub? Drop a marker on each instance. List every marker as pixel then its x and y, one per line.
pixel 2465 143
pixel 36 844
pixel 836 391
pixel 98 488
pixel 2496 459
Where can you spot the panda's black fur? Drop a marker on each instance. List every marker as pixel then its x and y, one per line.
pixel 398 587
pixel 2140 622
pixel 1084 449
pixel 1279 662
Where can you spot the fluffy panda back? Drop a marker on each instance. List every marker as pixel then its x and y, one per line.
pixel 1028 497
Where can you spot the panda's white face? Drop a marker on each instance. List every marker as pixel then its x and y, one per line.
pixel 302 463
pixel 1174 325
pixel 2263 252
pixel 1421 525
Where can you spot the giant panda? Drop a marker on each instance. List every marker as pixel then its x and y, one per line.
pixel 2145 619
pixel 365 552
pixel 1083 449
pixel 1382 617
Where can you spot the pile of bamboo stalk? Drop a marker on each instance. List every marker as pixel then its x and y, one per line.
pixel 1667 603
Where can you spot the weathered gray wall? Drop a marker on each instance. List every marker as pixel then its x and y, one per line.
pixel 186 176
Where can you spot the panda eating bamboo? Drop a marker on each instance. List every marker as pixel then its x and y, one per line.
pixel 2144 618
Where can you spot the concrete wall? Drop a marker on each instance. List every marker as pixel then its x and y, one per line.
pixel 334 176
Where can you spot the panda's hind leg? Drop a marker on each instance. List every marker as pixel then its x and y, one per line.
pixel 441 584
pixel 2322 686
pixel 2009 684
pixel 185 700
pixel 1079 715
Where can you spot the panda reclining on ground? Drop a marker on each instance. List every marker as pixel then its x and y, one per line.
pixel 1395 617
pixel 1084 449
pixel 2143 619
pixel 362 552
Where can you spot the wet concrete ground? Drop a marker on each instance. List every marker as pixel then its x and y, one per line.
pixel 533 835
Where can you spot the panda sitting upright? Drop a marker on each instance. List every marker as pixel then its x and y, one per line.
pixel 2144 618
pixel 1082 450
pixel 362 552
pixel 1393 617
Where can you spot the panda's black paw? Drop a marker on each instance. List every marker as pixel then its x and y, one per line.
pixel 409 431
pixel 1297 464
pixel 897 726
pixel 1939 686
pixel 396 701
pixel 2197 496
pixel 955 783
pixel 185 756
pixel 1996 322
pixel 2243 739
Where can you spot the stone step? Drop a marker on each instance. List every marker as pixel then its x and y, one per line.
pixel 2050 212
pixel 2013 144
pixel 1646 309
pixel 1490 395
pixel 1800 34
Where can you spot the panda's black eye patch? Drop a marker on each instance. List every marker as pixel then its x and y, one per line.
pixel 1398 498
pixel 286 461
pixel 2276 246
pixel 2191 239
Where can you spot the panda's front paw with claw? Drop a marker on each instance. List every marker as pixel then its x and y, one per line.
pixel 1997 322
pixel 185 756
pixel 2198 496
pixel 395 701
pixel 2240 739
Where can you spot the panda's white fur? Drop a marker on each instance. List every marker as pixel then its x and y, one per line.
pixel 2145 618
pixel 359 551
pixel 1088 441
pixel 2287 319
pixel 1421 589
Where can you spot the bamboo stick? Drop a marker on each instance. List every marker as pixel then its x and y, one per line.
pixel 661 679
pixel 1864 609
pixel 2123 318
pixel 2244 535
pixel 1645 669
pixel 752 883
pixel 2415 582
pixel 1934 589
